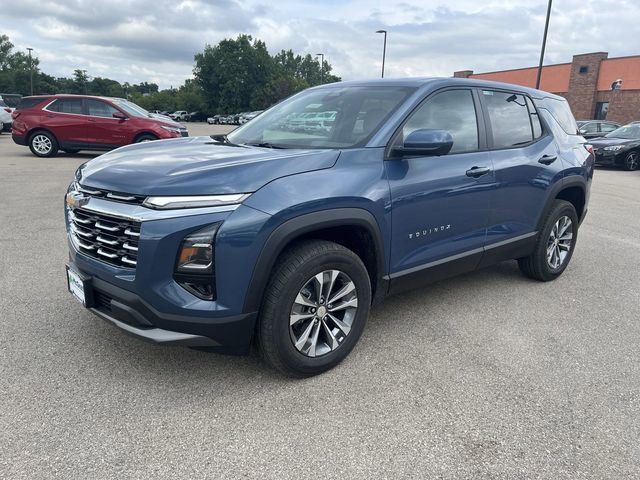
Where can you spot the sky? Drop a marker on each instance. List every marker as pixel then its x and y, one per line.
pixel 155 40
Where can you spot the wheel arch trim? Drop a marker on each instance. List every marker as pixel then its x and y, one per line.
pixel 298 226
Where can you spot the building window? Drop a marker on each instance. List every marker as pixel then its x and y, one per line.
pixel 584 69
pixel 602 108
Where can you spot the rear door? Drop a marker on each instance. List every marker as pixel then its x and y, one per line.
pixel 526 162
pixel 103 128
pixel 65 118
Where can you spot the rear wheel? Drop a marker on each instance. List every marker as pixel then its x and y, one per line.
pixel 315 308
pixel 632 161
pixel 43 144
pixel 555 244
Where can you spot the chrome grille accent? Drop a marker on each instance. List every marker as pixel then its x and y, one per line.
pixel 110 239
pixel 114 196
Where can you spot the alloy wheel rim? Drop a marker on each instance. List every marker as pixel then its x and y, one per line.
pixel 559 243
pixel 42 144
pixel 323 312
pixel 632 161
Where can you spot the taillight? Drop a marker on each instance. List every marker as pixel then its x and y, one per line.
pixel 15 114
pixel 589 148
pixel 8 110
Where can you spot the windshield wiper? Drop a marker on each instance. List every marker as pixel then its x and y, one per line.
pixel 222 139
pixel 265 145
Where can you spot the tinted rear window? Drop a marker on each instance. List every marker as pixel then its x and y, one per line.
pixel 560 110
pixel 29 102
pixel 510 119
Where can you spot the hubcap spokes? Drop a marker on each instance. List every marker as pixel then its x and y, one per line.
pixel 42 144
pixel 322 313
pixel 632 161
pixel 559 243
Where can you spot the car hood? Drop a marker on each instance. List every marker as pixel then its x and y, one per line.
pixel 197 166
pixel 607 142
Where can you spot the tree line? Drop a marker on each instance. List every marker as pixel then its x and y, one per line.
pixel 233 76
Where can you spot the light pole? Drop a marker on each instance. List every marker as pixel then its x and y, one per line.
pixel 30 68
pixel 321 55
pixel 384 48
pixel 85 79
pixel 544 44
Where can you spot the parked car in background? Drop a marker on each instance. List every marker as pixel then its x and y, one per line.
pixel 71 123
pixel 180 116
pixel 10 100
pixel 620 148
pixel 249 116
pixel 5 120
pixel 215 120
pixel 596 128
pixel 197 117
pixel 286 238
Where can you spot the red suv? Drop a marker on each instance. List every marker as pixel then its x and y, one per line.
pixel 78 122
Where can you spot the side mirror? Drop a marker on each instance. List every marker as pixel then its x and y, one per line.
pixel 425 142
pixel 120 115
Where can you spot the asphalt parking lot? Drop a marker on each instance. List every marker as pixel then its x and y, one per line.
pixel 489 375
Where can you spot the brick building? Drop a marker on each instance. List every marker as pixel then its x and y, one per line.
pixel 586 83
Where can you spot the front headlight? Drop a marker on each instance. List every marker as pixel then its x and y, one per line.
pixel 194 269
pixel 166 203
pixel 171 129
pixel 614 148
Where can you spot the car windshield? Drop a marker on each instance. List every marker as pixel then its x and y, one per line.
pixel 627 132
pixel 131 108
pixel 330 117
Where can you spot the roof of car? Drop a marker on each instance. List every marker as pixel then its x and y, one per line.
pixel 425 81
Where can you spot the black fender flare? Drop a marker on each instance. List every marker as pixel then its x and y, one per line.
pixel 567 182
pixel 300 225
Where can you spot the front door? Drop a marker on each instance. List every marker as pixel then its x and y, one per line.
pixel 440 204
pixel 103 127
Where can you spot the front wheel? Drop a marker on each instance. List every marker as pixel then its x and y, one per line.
pixel 632 161
pixel 314 309
pixel 555 244
pixel 145 138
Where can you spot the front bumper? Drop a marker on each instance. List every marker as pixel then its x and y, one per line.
pixel 130 313
pixel 605 158
pixel 19 139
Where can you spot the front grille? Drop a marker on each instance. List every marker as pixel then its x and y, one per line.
pixel 112 196
pixel 110 239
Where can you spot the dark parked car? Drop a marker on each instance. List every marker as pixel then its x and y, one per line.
pixel 197 117
pixel 286 238
pixel 620 148
pixel 596 128
pixel 72 123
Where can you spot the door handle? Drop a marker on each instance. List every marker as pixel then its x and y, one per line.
pixel 547 159
pixel 476 172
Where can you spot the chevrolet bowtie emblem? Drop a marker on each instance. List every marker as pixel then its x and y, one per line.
pixel 76 199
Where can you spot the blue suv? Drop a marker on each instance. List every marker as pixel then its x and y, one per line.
pixel 284 237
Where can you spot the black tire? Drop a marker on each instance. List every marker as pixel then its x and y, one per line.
pixel 71 151
pixel 37 142
pixel 536 265
pixel 292 271
pixel 631 161
pixel 146 138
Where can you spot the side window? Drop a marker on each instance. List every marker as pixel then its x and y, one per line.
pixel 509 118
pixel 67 105
pixel 536 126
pixel 589 128
pixel 451 110
pixel 560 110
pixel 607 127
pixel 96 108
